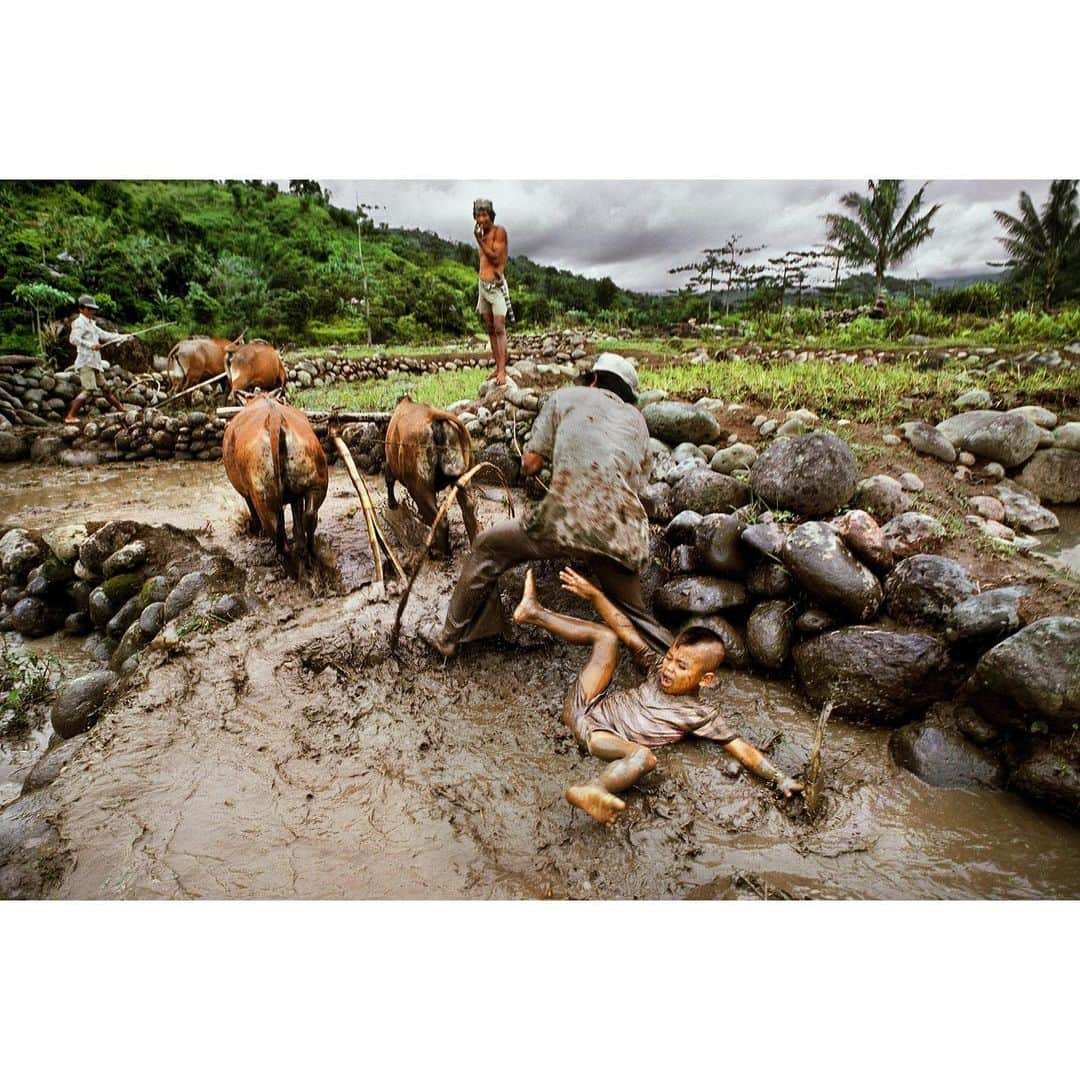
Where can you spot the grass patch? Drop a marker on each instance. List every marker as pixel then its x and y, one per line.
pixel 886 393
pixel 438 388
pixel 25 682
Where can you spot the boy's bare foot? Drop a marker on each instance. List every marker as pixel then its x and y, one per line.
pixel 529 605
pixel 596 801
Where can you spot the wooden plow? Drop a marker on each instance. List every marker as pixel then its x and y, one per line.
pixel 460 485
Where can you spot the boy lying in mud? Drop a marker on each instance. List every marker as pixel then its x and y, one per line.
pixel 622 726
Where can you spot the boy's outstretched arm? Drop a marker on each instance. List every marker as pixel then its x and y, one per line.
pixel 760 765
pixel 624 629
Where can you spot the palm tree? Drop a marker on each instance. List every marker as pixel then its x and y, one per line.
pixel 1041 247
pixel 875 234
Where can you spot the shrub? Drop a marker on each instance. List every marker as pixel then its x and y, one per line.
pixel 983 298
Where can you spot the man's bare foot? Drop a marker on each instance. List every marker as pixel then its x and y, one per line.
pixel 435 640
pixel 529 605
pixel 596 801
pixel 71 420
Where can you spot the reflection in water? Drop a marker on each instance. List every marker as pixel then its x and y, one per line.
pixel 1063 545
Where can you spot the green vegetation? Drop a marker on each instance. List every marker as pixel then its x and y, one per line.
pixel 886 393
pixel 878 233
pixel 439 388
pixel 218 257
pixel 1044 248
pixel 25 681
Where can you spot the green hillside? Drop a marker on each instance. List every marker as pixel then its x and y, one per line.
pixel 219 257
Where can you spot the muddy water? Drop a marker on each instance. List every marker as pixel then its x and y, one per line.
pixel 291 755
pixel 1063 546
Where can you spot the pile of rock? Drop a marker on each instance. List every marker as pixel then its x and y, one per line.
pixel 33 395
pixel 121 586
pixel 131 436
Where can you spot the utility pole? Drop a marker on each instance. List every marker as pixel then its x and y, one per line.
pixel 363 268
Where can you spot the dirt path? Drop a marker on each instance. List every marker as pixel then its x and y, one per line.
pixel 290 755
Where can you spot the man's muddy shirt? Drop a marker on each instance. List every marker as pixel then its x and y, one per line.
pixel 598 449
pixel 648 716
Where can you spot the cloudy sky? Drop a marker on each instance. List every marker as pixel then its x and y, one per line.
pixel 635 230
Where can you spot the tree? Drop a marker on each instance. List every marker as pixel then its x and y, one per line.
pixel 731 263
pixel 1043 248
pixel 878 234
pixel 306 187
pixel 704 279
pixel 44 300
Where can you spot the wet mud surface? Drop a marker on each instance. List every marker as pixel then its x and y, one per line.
pixel 291 755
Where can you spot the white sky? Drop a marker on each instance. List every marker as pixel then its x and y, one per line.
pixel 635 230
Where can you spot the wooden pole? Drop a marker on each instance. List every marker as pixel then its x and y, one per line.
pixel 375 533
pixel 462 483
pixel 191 389
pixel 812 795
pixel 318 417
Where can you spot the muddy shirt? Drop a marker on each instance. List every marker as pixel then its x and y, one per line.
pixel 649 716
pixel 85 333
pixel 598 449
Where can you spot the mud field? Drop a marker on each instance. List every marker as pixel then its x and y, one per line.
pixel 291 755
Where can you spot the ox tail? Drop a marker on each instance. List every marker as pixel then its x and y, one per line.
pixel 463 436
pixel 277 454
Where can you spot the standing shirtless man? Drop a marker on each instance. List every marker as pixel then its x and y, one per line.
pixel 493 301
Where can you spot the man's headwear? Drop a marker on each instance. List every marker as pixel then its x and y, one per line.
pixel 483 204
pixel 618 366
pixel 86 300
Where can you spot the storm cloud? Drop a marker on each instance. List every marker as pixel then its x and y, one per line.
pixel 633 231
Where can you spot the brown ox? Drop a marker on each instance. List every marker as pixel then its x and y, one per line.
pixel 195 360
pixel 427 450
pixel 254 366
pixel 273 458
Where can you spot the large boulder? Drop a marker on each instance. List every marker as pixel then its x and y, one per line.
pixel 699 594
pixel 49 766
pixel 78 703
pixel 942 757
pixel 817 559
pixel 865 539
pixel 1038 671
pixel 18 553
pixel 735 651
pixel 34 617
pixel 926 439
pixel 882 496
pixel 1006 438
pixel 1050 777
pixel 707 492
pixel 769 579
pixel 873 676
pixel 1067 436
pixel 1053 475
pixel 125 559
pixel 64 540
pixel 766 538
pixel 986 617
pixel 808 474
pixel 717 548
pixel 675 422
pixel 913 534
pixel 925 589
pixel 99 545
pixel 656 498
pixel 184 593
pixel 1023 510
pixel 770 630
pixel 733 458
